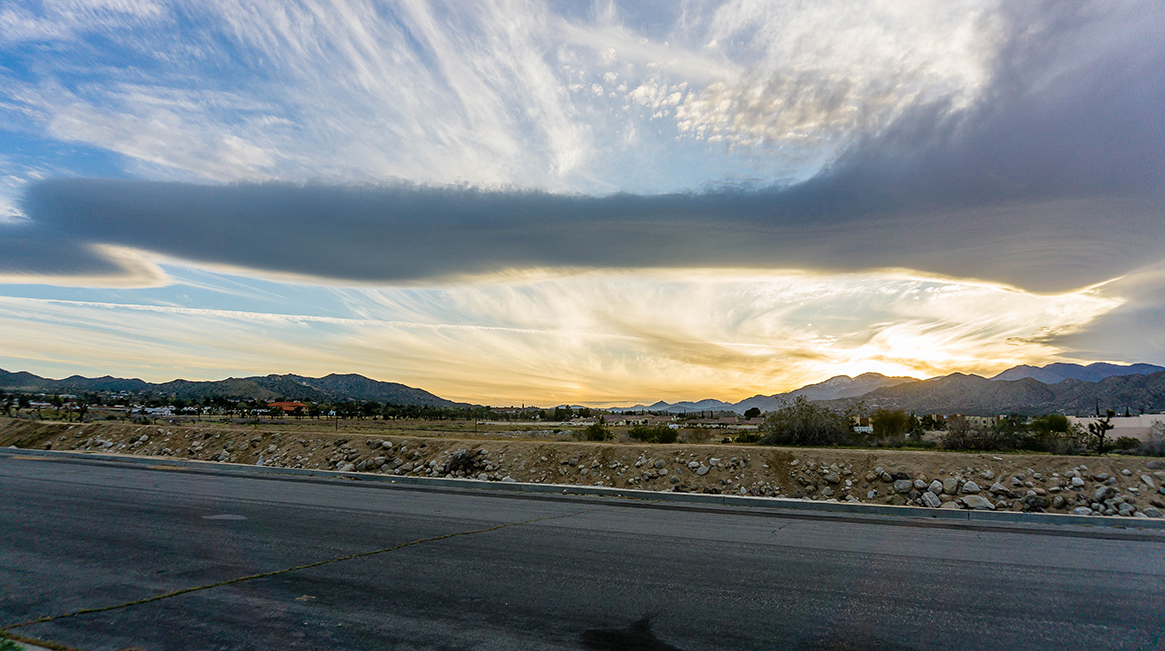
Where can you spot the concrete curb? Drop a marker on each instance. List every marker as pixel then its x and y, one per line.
pixel 777 503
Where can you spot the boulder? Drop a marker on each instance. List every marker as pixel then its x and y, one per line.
pixel 936 487
pixel 1033 503
pixel 977 503
pixel 1103 493
pixel 1082 510
pixel 931 500
pixel 950 486
pixel 971 488
pixel 903 486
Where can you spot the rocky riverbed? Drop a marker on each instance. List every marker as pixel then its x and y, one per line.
pixel 1111 485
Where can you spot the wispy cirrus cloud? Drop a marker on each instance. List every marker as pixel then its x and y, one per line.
pixel 506 92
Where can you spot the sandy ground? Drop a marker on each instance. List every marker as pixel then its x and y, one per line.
pixel 1022 481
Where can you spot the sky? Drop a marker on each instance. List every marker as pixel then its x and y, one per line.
pixel 509 202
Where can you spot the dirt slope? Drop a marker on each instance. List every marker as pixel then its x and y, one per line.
pixel 1014 482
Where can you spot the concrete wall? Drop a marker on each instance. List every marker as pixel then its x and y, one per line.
pixel 1139 427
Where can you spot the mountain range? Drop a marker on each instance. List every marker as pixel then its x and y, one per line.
pixel 975 395
pixel 1060 371
pixel 329 388
pixel 1060 387
pixel 841 386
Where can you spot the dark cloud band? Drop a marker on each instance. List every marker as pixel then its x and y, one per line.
pixel 405 233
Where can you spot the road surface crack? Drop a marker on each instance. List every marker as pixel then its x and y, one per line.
pixel 4 632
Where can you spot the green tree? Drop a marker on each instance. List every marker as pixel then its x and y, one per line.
pixel 752 412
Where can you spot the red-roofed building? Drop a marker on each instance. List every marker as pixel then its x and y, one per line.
pixel 287 407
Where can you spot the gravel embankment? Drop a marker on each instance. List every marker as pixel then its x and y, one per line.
pixel 1116 485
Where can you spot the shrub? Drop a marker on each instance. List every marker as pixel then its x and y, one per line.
pixel 1050 423
pixel 1151 448
pixel 698 435
pixel 891 423
pixel 801 422
pixel 961 436
pixel 653 433
pixel 1126 443
pixel 596 432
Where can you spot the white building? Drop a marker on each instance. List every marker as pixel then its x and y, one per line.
pixel 1138 427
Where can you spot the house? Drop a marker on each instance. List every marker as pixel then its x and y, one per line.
pixel 287 407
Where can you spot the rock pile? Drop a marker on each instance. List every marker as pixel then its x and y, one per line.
pixel 1111 486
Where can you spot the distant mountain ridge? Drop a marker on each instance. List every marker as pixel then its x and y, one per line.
pixel 1020 389
pixel 840 386
pixel 979 396
pixel 1060 371
pixel 329 388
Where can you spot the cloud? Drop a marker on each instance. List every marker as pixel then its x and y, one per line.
pixel 513 91
pixel 1051 179
pixel 831 71
pixel 595 338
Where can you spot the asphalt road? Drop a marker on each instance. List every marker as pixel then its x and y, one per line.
pixel 561 572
